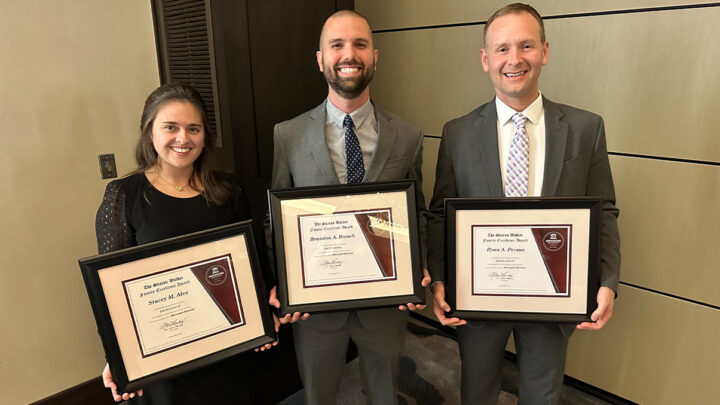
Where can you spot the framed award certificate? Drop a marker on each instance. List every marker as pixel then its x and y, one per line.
pixel 346 246
pixel 523 258
pixel 175 305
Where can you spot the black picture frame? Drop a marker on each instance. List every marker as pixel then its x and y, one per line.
pixel 574 304
pixel 411 272
pixel 121 352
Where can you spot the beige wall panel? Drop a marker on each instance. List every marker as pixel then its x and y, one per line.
pixel 652 76
pixel 669 226
pixel 655 350
pixel 384 14
pixel 74 75
pixel 431 76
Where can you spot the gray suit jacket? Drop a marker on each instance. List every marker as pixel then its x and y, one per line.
pixel 576 164
pixel 302 159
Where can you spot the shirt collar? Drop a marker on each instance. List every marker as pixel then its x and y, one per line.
pixel 337 116
pixel 533 112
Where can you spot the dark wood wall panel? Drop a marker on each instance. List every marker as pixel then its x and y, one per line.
pixel 286 79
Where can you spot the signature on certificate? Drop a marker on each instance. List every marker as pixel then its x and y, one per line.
pixel 501 275
pixel 173 325
pixel 332 263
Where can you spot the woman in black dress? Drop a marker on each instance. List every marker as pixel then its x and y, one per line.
pixel 173 192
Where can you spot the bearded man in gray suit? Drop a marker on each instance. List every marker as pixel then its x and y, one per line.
pixel 566 156
pixel 317 148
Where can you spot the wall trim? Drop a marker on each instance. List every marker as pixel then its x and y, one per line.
pixel 90 392
pixel 677 297
pixel 558 16
pixel 665 158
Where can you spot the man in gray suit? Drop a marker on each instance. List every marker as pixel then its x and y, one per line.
pixel 521 144
pixel 347 139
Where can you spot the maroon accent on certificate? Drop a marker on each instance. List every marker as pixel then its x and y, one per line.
pixel 552 243
pixel 375 228
pixel 215 277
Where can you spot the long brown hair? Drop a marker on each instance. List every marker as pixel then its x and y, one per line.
pixel 214 190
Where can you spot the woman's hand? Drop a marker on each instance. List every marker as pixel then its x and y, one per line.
pixel 109 383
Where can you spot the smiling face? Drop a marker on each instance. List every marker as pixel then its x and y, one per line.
pixel 514 55
pixel 346 56
pixel 178 135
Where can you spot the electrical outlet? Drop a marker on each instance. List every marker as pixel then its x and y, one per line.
pixel 107 166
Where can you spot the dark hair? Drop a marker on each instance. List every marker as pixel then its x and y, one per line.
pixel 515 8
pixel 146 156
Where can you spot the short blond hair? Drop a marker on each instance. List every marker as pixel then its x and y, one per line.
pixel 515 8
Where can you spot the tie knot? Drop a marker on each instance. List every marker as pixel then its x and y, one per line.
pixel 348 122
pixel 519 120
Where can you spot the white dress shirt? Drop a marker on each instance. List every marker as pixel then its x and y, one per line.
pixel 365 128
pixel 535 127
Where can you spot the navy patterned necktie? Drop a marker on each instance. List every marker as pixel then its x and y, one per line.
pixel 353 154
pixel 516 173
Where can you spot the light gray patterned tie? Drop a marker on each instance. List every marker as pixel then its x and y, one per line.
pixel 516 172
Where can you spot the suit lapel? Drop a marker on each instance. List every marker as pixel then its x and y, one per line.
pixel 387 132
pixel 318 145
pixel 556 133
pixel 487 149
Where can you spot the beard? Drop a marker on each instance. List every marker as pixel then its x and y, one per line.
pixel 348 88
